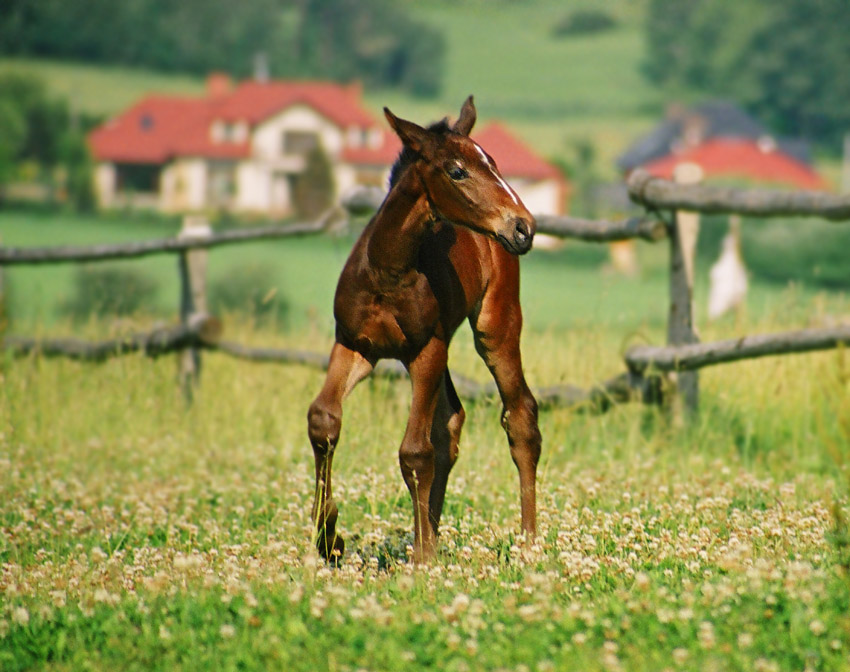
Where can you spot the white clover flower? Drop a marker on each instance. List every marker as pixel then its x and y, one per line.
pixel 20 616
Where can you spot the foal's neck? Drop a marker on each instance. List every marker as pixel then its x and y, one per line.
pixel 399 227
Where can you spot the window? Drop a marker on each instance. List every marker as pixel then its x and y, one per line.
pixel 299 142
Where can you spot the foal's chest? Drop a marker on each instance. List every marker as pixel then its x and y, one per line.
pixel 385 319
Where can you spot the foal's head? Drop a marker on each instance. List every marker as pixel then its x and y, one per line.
pixel 462 182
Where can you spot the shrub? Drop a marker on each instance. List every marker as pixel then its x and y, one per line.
pixel 109 291
pixel 584 22
pixel 252 291
pixel 805 250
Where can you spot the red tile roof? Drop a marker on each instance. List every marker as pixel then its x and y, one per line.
pixel 159 128
pixel 254 102
pixel 512 156
pixel 741 158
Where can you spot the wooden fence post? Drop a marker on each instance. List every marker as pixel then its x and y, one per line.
pixel 193 296
pixel 680 327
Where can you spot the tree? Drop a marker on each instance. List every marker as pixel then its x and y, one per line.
pixel 13 132
pixel 369 39
pixel 784 61
pixel 314 188
pixel 37 128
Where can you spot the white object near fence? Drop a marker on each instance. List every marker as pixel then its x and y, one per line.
pixel 728 275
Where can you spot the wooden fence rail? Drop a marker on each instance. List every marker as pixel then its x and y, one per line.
pixel 697 355
pixel 659 194
pixel 683 355
pixel 155 343
pixel 11 256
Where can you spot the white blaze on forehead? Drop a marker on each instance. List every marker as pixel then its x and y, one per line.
pixel 498 177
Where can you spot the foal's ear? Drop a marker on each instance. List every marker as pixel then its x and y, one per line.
pixel 413 136
pixel 467 118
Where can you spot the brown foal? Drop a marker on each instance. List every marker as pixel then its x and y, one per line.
pixel 442 247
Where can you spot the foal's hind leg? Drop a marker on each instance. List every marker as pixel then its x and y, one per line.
pixel 324 421
pixel 417 453
pixel 445 436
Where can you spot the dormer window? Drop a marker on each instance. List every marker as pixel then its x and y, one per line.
pixel 239 132
pixel 222 131
pixel 218 131
pixel 357 137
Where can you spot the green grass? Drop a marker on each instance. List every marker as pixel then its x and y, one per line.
pixel 100 90
pixel 138 534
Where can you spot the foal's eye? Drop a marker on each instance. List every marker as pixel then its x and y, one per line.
pixel 457 173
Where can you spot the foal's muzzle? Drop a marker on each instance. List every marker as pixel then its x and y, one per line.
pixel 518 238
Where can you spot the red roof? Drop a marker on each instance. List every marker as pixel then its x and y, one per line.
pixel 150 131
pixel 159 128
pixel 740 158
pixel 254 101
pixel 513 157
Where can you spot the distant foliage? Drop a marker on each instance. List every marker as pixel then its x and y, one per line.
pixel 785 61
pixel 584 22
pixel 370 39
pixel 373 40
pixel 252 291
pixel 36 128
pixel 808 251
pixel 314 188
pixel 109 291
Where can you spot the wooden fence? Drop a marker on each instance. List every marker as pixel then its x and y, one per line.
pixel 653 373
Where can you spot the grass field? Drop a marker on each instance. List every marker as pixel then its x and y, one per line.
pixel 138 534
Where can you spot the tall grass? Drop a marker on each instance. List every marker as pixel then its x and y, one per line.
pixel 139 534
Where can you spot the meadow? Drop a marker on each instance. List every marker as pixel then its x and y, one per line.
pixel 138 533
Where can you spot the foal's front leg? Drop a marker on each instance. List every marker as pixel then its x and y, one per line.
pixel 324 422
pixel 500 351
pixel 416 456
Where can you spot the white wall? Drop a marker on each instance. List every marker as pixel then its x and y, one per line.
pixel 541 197
pixel 104 184
pixel 183 186
pixel 267 140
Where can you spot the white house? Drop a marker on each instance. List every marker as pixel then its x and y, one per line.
pixel 243 149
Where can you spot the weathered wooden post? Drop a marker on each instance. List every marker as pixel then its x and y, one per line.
pixel 680 326
pixel 193 296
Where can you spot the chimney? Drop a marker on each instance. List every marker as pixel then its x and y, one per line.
pixel 218 84
pixel 261 67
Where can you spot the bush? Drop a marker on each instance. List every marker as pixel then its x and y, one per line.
pixel 251 291
pixel 584 22
pixel 810 251
pixel 109 291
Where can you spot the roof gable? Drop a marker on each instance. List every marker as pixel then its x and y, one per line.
pixel 513 157
pixel 700 123
pixel 741 158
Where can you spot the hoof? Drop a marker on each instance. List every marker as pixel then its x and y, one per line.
pixel 331 552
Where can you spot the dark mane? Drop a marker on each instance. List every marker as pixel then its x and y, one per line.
pixel 408 156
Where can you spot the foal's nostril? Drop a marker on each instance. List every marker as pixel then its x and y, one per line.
pixel 522 232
